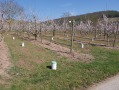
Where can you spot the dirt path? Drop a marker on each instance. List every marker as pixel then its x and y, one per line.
pixel 64 51
pixel 109 84
pixel 4 62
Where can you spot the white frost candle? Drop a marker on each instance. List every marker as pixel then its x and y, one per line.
pixel 92 39
pixel 52 38
pixel 13 38
pixel 54 65
pixel 23 44
pixel 82 45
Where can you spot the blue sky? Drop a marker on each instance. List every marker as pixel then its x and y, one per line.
pixel 50 9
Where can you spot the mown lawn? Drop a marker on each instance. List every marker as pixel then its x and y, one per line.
pixel 30 68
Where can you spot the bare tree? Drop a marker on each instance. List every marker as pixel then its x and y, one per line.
pixel 65 24
pixel 115 31
pixel 34 30
pixel 10 11
pixel 66 14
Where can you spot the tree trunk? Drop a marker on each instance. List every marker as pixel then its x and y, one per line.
pixel 95 33
pixel 72 34
pixel 114 42
pixel 54 31
pixel 9 26
pixel 35 35
pixel 107 40
pixel 41 34
pixel 104 34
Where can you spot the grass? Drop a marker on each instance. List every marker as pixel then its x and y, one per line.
pixel 85 38
pixel 66 43
pixel 30 68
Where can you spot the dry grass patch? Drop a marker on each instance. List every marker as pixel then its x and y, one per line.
pixel 63 51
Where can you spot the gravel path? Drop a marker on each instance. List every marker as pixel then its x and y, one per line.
pixel 109 84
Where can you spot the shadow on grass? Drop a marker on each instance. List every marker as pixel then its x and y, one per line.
pixel 49 67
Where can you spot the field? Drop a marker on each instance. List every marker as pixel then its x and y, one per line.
pixel 31 66
pixel 33 34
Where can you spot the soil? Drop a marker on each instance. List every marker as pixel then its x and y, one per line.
pixel 114 48
pixel 4 62
pixel 63 51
